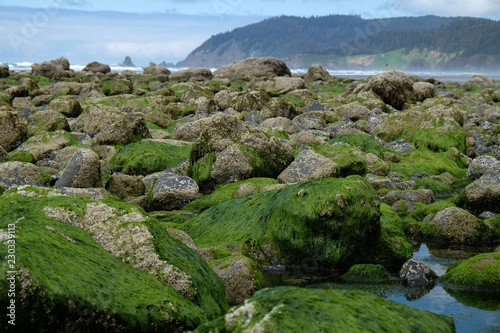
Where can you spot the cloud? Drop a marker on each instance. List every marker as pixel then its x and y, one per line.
pixel 73 3
pixel 450 7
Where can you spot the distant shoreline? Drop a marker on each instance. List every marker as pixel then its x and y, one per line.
pixel 350 73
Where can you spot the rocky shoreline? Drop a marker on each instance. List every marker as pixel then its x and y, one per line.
pixel 155 201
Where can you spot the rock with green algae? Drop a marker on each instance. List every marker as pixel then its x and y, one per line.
pixel 103 265
pixel 291 309
pixel 336 222
pixel 366 273
pixel 479 273
pixel 147 157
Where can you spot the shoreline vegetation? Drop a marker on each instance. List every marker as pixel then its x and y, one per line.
pixel 163 201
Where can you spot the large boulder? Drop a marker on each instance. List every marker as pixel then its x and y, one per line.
pixel 480 165
pixel 125 186
pixel 68 107
pixel 251 68
pixel 154 69
pixel 97 67
pixel 279 124
pixel 194 73
pixel 316 72
pixel 293 309
pixel 286 84
pixel 223 137
pixel 53 69
pixel 136 277
pixel 457 225
pixel 484 193
pixel 423 90
pixel 13 131
pixel 171 191
pixel 82 171
pixel 393 87
pixel 4 71
pixel 307 166
pixel 111 125
pixel 324 223
pixel 49 120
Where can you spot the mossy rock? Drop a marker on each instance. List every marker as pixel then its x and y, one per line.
pixel 366 273
pixel 364 142
pixel 147 157
pixel 333 222
pixel 423 160
pixel 227 192
pixel 22 156
pixel 479 273
pixel 291 309
pixel 69 278
pixel 349 163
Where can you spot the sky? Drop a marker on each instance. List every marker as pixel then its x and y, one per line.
pixel 157 30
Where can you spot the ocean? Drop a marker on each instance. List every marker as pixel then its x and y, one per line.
pixel 356 74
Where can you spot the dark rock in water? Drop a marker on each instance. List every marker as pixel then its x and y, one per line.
pixel 400 146
pixel 127 62
pixel 166 64
pixel 416 274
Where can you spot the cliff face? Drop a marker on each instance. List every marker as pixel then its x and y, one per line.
pixel 340 41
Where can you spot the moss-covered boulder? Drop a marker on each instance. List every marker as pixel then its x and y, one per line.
pixel 394 88
pixel 366 274
pixel 67 106
pixel 484 193
pixel 112 125
pixel 222 139
pixel 332 222
pixel 147 157
pixel 49 120
pixel 18 173
pixel 457 225
pixel 347 158
pixel 13 131
pixel 102 265
pixel 82 171
pixel 479 273
pixel 308 166
pixel 291 309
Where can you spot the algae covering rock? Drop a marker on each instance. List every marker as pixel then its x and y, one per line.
pixel 394 88
pixel 479 273
pixel 308 166
pixel 291 309
pixel 329 222
pixel 102 266
pixel 457 225
pixel 415 273
pixel 18 173
pixel 366 273
pixel 224 137
pixel 253 68
pixel 484 193
pixel 82 171
pixel 13 131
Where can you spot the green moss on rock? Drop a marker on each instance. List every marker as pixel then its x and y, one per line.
pixel 290 309
pixel 348 162
pixel 366 273
pixel 479 273
pixel 147 157
pixel 22 156
pixel 365 142
pixel 66 276
pixel 335 222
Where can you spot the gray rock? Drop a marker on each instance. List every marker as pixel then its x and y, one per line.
pixel 415 273
pixel 278 107
pixel 457 225
pixel 127 62
pixel 4 71
pixel 239 277
pixel 307 166
pixel 252 100
pixel 97 67
pixel 82 171
pixel 195 73
pixel 393 87
pixel 251 68
pixel 50 120
pixel 315 106
pixel 231 165
pixel 125 186
pixel 482 164
pixel 400 146
pixel 316 72
pixel 484 193
pixel 286 84
pixel 53 69
pixel 13 131
pixel 18 173
pixel 279 124
pixel 311 120
pixel 492 150
pixel 487 215
pixel 171 191
pixel 423 90
pixel 153 69
pixel 424 196
pixel 86 193
pixel 68 107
